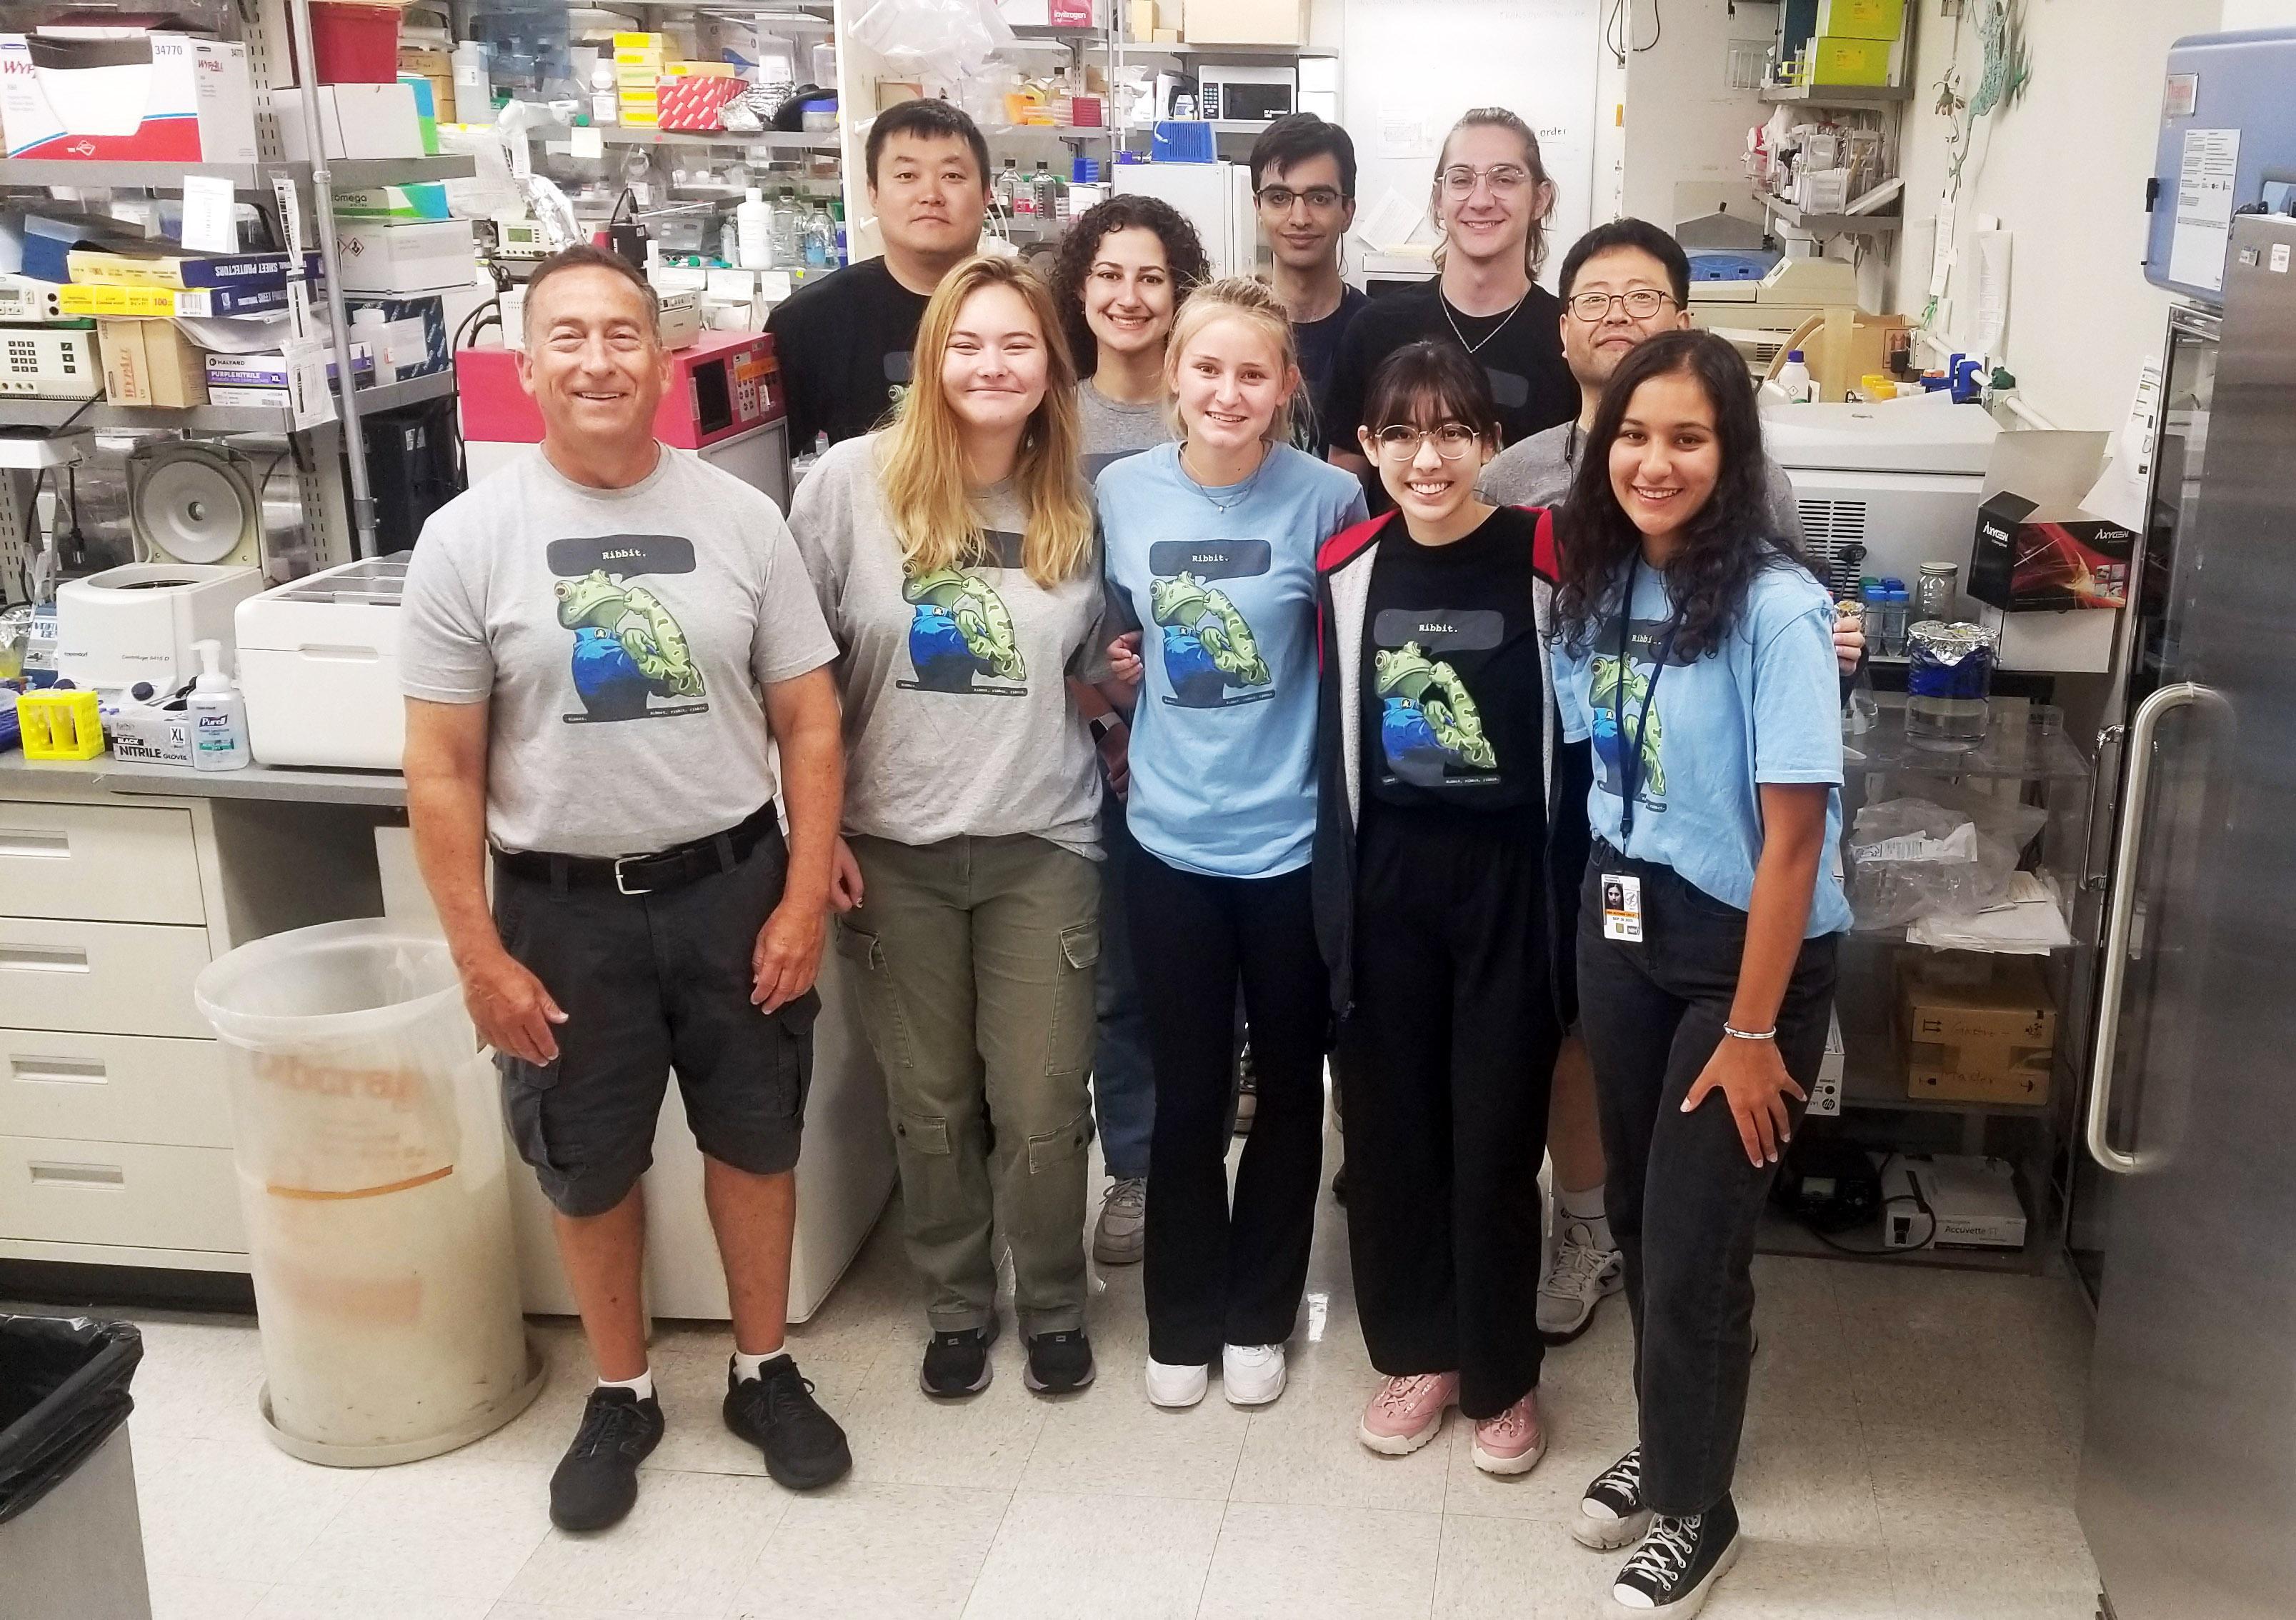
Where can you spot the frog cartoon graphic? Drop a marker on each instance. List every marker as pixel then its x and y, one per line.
pixel 628 650
pixel 1610 744
pixel 963 630
pixel 1427 725
pixel 1208 647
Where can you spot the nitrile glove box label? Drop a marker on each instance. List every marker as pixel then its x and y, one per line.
pixel 154 97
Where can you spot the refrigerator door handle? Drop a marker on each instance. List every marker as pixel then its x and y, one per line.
pixel 2136 793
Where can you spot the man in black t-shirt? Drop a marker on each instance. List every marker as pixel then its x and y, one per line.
pixel 1491 197
pixel 1303 175
pixel 843 341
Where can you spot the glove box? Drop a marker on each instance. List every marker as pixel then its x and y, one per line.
pixel 318 665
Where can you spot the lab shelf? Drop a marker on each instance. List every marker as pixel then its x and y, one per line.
pixel 2022 743
pixel 343 173
pixel 769 140
pixel 1182 48
pixel 1837 95
pixel 77 414
pixel 1829 224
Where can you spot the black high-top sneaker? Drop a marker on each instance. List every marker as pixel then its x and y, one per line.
pixel 1612 1515
pixel 1678 1561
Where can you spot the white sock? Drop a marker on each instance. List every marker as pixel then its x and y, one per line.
pixel 641 1386
pixel 747 1366
pixel 1587 1205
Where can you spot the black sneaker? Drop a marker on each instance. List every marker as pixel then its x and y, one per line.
pixel 957 1363
pixel 1612 1514
pixel 1059 1362
pixel 1679 1560
pixel 775 1411
pixel 597 1480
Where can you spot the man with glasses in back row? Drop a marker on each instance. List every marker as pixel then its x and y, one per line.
pixel 1303 175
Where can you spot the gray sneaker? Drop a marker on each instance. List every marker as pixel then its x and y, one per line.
pixel 1121 1236
pixel 1578 1277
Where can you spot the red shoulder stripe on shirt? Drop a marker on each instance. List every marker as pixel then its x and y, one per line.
pixel 1349 542
pixel 1544 560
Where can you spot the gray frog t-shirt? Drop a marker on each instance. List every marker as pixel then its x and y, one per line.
pixel 622 636
pixel 1537 472
pixel 958 720
pixel 1114 428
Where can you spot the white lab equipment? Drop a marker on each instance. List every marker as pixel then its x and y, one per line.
pixel 318 665
pixel 139 623
pixel 1216 198
pixel 1758 317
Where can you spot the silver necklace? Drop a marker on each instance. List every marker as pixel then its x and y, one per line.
pixel 1487 337
pixel 1242 494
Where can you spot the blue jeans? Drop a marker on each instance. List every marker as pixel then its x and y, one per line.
pixel 1123 1080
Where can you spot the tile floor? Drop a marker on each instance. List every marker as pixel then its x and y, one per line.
pixel 1909 1455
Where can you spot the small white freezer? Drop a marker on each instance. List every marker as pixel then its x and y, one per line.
pixel 318 665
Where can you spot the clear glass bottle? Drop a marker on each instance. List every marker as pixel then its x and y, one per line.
pixel 789 244
pixel 1936 593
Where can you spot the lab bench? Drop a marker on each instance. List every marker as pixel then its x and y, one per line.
pixel 120 882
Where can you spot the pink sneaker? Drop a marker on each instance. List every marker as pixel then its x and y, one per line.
pixel 1406 1411
pixel 1511 1443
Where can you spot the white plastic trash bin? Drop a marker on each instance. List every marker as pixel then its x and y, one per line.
pixel 370 1170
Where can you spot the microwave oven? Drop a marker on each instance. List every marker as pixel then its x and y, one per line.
pixel 1237 95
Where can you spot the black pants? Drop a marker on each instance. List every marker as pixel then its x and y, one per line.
pixel 1217 1275
pixel 1682 1197
pixel 1444 1065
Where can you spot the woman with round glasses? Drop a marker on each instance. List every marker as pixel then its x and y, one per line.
pixel 1491 198
pixel 1438 812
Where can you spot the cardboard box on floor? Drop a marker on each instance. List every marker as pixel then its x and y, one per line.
pixel 1977 1028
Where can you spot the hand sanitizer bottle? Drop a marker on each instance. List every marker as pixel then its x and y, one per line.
pixel 217 714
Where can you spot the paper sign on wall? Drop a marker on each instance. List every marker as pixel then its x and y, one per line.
pixel 211 214
pixel 2204 182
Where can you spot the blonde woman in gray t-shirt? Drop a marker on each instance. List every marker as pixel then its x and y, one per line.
pixel 954 558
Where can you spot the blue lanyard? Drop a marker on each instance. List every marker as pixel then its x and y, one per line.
pixel 1630 754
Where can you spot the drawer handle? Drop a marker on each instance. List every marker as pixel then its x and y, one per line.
pixel 45 959
pixel 341 654
pixel 35 843
pixel 79 1176
pixel 65 1071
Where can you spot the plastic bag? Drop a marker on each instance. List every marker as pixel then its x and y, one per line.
pixel 943 40
pixel 63 1390
pixel 1912 857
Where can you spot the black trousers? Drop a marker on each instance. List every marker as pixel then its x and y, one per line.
pixel 1444 1065
pixel 1216 1274
pixel 1683 1198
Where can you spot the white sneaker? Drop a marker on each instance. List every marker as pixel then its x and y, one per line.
pixel 1251 1375
pixel 1121 1237
pixel 1576 1279
pixel 1170 1386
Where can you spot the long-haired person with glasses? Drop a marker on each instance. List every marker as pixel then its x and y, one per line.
pixel 1491 198
pixel 1303 176
pixel 1433 904
pixel 1694 647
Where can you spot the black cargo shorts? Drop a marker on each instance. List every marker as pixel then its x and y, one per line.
pixel 652 983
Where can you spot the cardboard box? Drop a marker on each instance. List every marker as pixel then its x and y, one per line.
pixel 400 204
pixel 150 362
pixel 1861 19
pixel 438 68
pixel 160 97
pixel 379 256
pixel 415 332
pixel 354 121
pixel 1972 1038
pixel 2071 642
pixel 1836 61
pixel 1245 22
pixel 2036 549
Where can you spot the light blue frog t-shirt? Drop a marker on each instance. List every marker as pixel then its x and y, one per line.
pixel 1765 706
pixel 1222 582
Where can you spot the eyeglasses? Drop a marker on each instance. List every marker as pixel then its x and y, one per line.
pixel 1452 440
pixel 1640 304
pixel 1505 179
pixel 1281 198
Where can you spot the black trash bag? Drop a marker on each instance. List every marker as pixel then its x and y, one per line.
pixel 63 1390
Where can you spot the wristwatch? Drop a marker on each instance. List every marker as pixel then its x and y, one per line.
pixel 1102 725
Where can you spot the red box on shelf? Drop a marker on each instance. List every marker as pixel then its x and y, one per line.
pixel 696 102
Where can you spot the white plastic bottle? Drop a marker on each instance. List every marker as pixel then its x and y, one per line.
pixel 1794 379
pixel 753 232
pixel 605 94
pixel 218 715
pixel 474 91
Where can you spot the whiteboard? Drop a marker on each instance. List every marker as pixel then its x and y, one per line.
pixel 1409 67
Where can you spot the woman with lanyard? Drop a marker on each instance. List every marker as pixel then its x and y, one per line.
pixel 1123 268
pixel 1440 818
pixel 1211 547
pixel 1695 649
pixel 953 556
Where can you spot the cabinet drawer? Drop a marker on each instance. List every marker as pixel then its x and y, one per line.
pixel 101 863
pixel 103 977
pixel 114 1088
pixel 119 1192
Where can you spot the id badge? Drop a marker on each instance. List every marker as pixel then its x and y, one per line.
pixel 1622 907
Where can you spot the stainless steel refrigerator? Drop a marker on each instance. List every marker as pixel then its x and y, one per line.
pixel 2188 1473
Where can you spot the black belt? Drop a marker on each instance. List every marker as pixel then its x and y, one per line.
pixel 644 874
